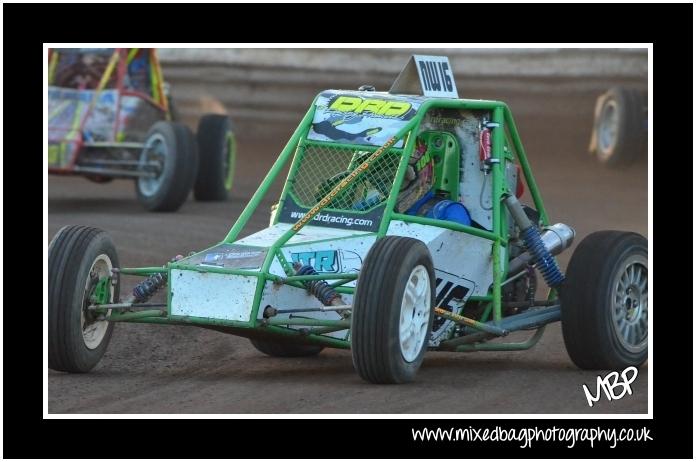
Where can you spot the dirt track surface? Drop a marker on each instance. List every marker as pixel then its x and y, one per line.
pixel 168 369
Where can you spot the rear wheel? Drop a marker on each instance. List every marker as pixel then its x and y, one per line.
pixel 285 350
pixel 393 310
pixel 620 134
pixel 170 157
pixel 217 149
pixel 604 301
pixel 80 260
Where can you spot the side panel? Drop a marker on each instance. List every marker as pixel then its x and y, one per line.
pixel 341 255
pixel 268 236
pixel 230 256
pixel 463 267
pixel 67 109
pixel 212 295
pixel 459 257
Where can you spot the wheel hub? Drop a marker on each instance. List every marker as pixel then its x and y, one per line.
pixel 415 313
pixel 93 331
pixel 608 126
pixel 630 303
pixel 152 160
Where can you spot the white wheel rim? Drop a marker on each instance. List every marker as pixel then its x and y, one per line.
pixel 629 303
pixel 93 331
pixel 608 126
pixel 415 313
pixel 155 150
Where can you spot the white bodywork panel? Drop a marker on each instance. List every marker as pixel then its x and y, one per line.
pixel 463 267
pixel 341 255
pixel 462 255
pixel 267 237
pixel 287 298
pixel 472 180
pixel 212 295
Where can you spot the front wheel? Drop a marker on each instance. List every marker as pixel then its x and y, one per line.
pixel 393 310
pixel 80 260
pixel 604 301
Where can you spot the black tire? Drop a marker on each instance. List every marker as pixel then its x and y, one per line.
pixel 285 350
pixel 630 138
pixel 589 330
pixel 177 143
pixel 173 111
pixel 375 339
pixel 71 254
pixel 217 152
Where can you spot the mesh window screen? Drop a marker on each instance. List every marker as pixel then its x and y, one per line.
pixel 323 167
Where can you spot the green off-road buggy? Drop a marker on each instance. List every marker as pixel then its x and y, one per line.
pixel 399 230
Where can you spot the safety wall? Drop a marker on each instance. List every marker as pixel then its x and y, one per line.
pixel 268 90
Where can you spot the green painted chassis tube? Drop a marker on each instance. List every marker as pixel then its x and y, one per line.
pixel 136 315
pixel 497 171
pixel 487 312
pixel 398 179
pixel 504 346
pixel 480 298
pixel 296 161
pixel 143 271
pixel 340 282
pixel 445 224
pixel 307 322
pixel 324 330
pixel 212 269
pixel 320 277
pixel 317 339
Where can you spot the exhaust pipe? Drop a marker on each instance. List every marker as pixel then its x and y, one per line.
pixel 556 239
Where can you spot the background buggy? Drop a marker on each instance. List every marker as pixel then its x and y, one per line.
pixel 110 116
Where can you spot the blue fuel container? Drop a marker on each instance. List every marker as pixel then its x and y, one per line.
pixel 451 211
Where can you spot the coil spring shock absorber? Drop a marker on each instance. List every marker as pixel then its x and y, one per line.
pixel 543 259
pixel 541 256
pixel 147 288
pixel 320 289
